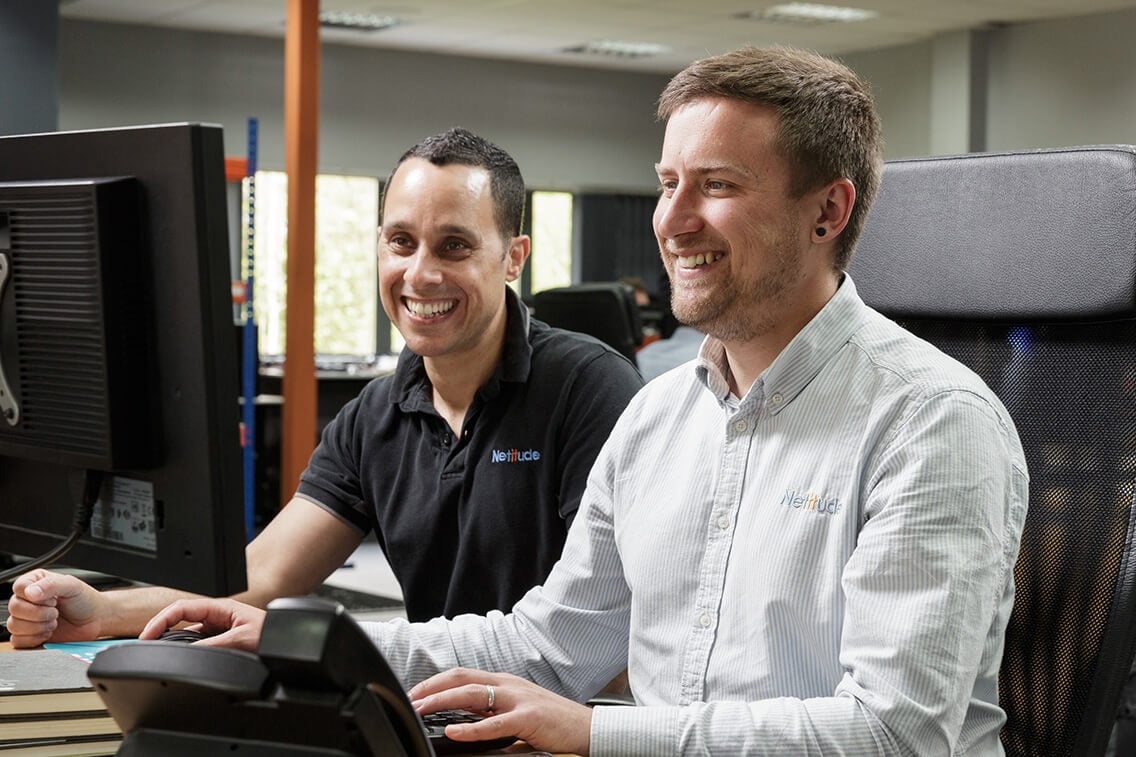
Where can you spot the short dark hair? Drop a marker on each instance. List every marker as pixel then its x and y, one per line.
pixel 463 147
pixel 828 126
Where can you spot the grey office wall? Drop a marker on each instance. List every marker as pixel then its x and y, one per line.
pixel 1063 83
pixel 28 38
pixel 899 77
pixel 571 128
pixel 1049 84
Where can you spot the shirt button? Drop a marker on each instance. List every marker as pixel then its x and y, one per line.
pixel 705 620
pixel 740 426
pixel 777 398
pixel 724 522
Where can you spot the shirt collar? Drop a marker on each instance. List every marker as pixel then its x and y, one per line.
pixel 516 358
pixel 410 386
pixel 797 364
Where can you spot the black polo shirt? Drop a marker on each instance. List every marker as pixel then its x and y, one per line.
pixel 470 524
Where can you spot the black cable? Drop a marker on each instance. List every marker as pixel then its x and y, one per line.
pixel 92 483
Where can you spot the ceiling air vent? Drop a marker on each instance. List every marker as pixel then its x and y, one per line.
pixel 808 14
pixel 358 22
pixel 618 49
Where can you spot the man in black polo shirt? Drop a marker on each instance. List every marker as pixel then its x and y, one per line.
pixel 473 512
pixel 468 462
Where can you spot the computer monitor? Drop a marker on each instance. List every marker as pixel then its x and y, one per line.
pixel 118 368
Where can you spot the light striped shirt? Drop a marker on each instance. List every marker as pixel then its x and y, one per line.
pixel 821 568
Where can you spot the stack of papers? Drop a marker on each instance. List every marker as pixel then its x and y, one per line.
pixel 49 707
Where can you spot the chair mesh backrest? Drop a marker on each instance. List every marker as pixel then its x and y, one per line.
pixel 1026 272
pixel 1071 390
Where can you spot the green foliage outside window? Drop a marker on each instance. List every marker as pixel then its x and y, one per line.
pixel 551 240
pixel 346 289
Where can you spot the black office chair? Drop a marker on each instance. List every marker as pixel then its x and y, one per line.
pixel 1023 266
pixel 605 310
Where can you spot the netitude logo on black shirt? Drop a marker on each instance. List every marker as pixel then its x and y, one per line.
pixel 514 455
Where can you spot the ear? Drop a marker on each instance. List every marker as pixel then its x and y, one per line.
pixel 516 256
pixel 832 204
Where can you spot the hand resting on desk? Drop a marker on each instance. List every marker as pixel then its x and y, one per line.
pixel 47 606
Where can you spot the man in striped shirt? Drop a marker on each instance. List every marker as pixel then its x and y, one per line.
pixel 801 542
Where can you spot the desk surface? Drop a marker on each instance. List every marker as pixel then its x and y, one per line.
pixel 518 749
pixel 339 367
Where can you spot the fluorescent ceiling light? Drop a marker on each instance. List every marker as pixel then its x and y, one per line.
pixel 619 48
pixel 810 13
pixel 364 22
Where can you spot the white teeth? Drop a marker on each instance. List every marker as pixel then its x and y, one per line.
pixel 694 261
pixel 430 309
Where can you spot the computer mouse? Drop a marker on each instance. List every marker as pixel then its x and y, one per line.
pixel 184 635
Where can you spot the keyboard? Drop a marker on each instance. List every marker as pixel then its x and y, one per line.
pixel 356 601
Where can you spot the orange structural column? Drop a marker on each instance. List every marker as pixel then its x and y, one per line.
pixel 301 136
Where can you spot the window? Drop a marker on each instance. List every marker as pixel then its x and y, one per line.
pixel 346 286
pixel 551 240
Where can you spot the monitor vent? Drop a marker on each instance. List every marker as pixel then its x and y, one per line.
pixel 57 328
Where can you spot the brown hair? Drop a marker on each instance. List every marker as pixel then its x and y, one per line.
pixel 828 129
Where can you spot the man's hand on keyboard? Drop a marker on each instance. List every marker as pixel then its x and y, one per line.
pixel 47 606
pixel 513 706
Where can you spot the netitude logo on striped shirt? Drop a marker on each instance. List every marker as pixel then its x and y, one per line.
pixel 810 502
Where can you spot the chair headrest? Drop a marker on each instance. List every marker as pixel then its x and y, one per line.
pixel 1046 234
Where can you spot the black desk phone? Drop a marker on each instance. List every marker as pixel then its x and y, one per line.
pixel 317 686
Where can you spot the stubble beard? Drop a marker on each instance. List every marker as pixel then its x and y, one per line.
pixel 737 310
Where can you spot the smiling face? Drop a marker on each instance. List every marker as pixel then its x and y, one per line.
pixel 734 242
pixel 443 263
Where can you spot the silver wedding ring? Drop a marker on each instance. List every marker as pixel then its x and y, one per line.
pixel 491 696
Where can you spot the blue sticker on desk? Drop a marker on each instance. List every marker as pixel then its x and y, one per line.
pixel 86 650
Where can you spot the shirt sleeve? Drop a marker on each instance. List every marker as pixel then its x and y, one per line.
pixel 597 396
pixel 332 479
pixel 928 593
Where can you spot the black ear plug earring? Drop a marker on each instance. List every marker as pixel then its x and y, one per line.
pixel 821 231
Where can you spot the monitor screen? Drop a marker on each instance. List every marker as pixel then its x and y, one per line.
pixel 118 369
